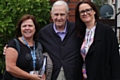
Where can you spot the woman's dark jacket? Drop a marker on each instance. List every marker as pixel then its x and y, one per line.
pixel 103 59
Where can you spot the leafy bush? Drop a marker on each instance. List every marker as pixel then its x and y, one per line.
pixel 12 10
pixel 98 3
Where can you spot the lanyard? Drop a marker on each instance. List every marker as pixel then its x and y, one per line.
pixel 32 52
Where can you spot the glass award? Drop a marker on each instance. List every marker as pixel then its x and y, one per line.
pixel 43 68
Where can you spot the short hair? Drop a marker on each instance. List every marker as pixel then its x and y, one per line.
pixel 24 18
pixel 59 3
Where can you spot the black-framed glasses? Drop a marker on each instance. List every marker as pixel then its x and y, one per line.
pixel 82 12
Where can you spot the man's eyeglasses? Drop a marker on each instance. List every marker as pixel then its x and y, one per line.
pixel 82 12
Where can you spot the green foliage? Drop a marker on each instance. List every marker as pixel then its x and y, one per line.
pixel 12 10
pixel 98 3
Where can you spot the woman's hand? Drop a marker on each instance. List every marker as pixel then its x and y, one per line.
pixel 43 77
pixel 37 77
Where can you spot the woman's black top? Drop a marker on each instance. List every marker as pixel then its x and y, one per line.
pixel 24 60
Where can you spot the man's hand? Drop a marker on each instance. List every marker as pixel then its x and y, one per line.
pixel 4 49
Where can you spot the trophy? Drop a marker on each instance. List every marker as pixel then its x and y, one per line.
pixel 43 68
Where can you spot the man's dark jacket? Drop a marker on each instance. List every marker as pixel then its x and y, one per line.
pixel 63 53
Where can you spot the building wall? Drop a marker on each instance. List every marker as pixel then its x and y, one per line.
pixel 118 11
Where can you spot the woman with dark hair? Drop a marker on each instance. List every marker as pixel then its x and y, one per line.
pixel 99 49
pixel 24 18
pixel 24 65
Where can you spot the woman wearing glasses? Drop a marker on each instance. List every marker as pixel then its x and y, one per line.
pixel 99 49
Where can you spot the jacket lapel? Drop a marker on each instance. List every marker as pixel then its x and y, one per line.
pixel 54 35
pixel 97 38
pixel 69 32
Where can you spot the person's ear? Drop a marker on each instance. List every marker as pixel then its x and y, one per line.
pixel 68 14
pixel 51 14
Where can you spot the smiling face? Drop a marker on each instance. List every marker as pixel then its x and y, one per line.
pixel 28 28
pixel 86 13
pixel 59 15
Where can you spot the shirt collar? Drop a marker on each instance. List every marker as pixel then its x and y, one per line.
pixel 56 31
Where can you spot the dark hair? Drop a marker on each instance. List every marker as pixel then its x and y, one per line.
pixel 80 25
pixel 22 19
